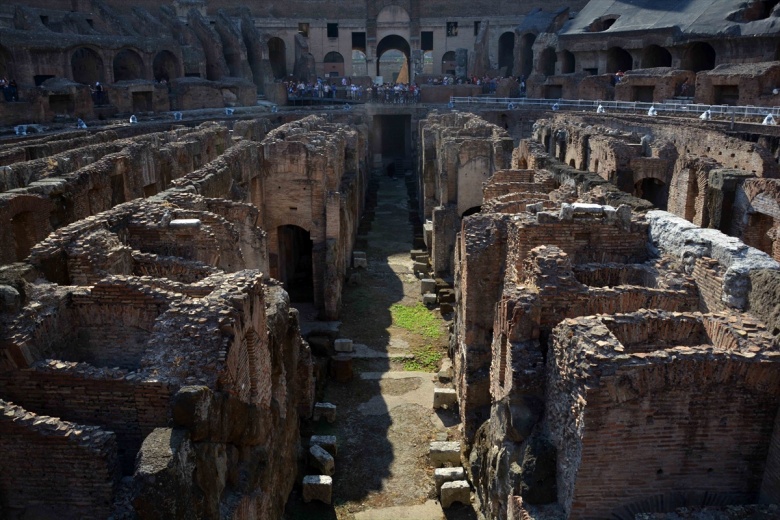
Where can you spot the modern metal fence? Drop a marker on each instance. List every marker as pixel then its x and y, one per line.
pixel 670 107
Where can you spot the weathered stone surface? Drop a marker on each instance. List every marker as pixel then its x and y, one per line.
pixel 324 410
pixel 317 487
pixel 321 460
pixel 444 452
pixel 456 491
pixel 444 398
pixel 328 442
pixel 442 475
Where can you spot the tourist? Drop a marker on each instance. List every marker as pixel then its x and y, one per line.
pixel 14 90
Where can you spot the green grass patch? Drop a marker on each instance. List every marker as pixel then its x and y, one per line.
pixel 426 359
pixel 417 319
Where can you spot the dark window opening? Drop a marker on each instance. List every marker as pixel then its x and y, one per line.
pixel 656 56
pixel 698 57
pixel 45 20
pixel 592 71
pixel 603 23
pixel 619 60
pixel 652 190
pixel 476 28
pixel 644 94
pixel 452 28
pixel 359 41
pixel 548 60
pixel 567 62
pixel 726 95
pixel 426 40
pixel 303 28
pixel 553 91
pixel 295 263
pixel 40 78
pixel 333 30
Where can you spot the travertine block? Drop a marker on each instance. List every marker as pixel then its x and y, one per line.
pixel 321 460
pixel 343 345
pixel 457 491
pixel 442 453
pixel 427 285
pixel 444 397
pixel 429 299
pixel 325 441
pixel 326 410
pixel 442 475
pixel 317 487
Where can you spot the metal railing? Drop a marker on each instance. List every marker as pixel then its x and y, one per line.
pixel 669 107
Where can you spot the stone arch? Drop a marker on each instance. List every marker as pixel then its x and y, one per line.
pixel 618 59
pixel 567 62
pixel 296 266
pixel 547 61
pixel 699 56
pixel 527 54
pixel 359 64
pixel 448 63
pixel 277 55
pixel 393 15
pixel 165 66
pixel 333 64
pixel 656 56
pixel 392 42
pixel 128 65
pixel 86 66
pixel 652 189
pixel 506 52
pixel 6 63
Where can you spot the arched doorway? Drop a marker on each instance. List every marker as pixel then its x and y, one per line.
pixel 619 59
pixel 699 56
pixel 506 52
pixel 23 228
pixel 333 64
pixel 471 211
pixel 567 62
pixel 527 54
pixel 548 59
pixel 295 263
pixel 428 62
pixel 86 66
pixel 6 70
pixel 656 56
pixel 652 190
pixel 359 65
pixel 165 66
pixel 128 65
pixel 392 42
pixel 448 63
pixel 277 55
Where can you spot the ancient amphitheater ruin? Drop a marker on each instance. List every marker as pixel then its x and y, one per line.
pixel 515 262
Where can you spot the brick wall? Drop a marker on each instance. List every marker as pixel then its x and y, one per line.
pixel 69 470
pixel 127 407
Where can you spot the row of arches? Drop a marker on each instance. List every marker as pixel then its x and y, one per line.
pixel 697 56
pixel 87 66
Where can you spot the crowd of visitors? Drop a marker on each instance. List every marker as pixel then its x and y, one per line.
pixel 399 93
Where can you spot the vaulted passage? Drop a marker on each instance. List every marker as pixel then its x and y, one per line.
pixel 295 263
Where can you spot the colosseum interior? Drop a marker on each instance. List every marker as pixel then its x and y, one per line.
pixel 412 259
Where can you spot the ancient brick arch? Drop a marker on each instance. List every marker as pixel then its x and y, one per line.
pixel 699 56
pixel 526 54
pixel 760 226
pixel 277 55
pixel 128 65
pixel 656 56
pixel 506 52
pixel 334 64
pixel 165 66
pixel 86 66
pixel 619 59
pixel 547 61
pixel 392 42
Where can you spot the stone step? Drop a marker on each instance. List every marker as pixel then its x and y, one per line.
pixel 447 452
pixel 455 491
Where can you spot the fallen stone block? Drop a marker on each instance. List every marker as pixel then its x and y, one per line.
pixel 420 268
pixel 343 345
pixel 446 373
pixel 324 441
pixel 444 398
pixel 359 259
pixel 326 410
pixel 317 487
pixel 456 491
pixel 321 460
pixel 429 299
pixel 442 453
pixel 442 475
pixel 427 285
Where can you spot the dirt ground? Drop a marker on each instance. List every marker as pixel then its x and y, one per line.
pixel 385 416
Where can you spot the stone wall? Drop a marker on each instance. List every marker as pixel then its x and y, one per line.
pixel 81 471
